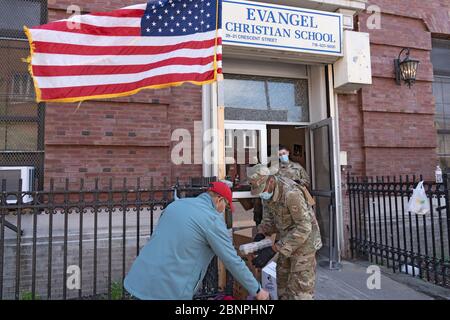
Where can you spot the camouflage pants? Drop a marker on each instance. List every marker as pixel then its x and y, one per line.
pixel 296 277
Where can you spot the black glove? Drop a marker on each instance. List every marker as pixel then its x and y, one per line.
pixel 259 237
pixel 263 256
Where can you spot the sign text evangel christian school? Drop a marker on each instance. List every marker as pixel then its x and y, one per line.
pixel 302 30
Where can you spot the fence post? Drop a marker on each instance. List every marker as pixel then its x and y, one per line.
pixel 447 210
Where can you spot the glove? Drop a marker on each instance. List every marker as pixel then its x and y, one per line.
pixel 263 256
pixel 259 237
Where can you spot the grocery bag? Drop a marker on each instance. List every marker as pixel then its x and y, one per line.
pixel 419 203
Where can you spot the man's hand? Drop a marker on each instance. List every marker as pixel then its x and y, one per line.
pixel 262 295
pixel 263 256
pixel 259 237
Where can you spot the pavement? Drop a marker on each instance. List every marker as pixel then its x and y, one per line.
pixel 350 283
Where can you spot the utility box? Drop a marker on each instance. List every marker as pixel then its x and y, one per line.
pixel 353 71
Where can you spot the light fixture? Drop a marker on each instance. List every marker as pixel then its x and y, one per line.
pixel 406 69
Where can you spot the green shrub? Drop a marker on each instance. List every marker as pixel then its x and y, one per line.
pixel 28 295
pixel 116 290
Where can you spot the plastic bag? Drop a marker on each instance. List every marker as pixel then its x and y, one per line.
pixel 419 203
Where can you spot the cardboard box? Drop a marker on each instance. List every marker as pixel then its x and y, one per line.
pixel 247 204
pixel 240 237
pixel 269 279
pixel 243 236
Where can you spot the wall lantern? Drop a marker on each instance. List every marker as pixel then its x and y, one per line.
pixel 406 69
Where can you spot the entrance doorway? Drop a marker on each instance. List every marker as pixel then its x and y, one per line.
pixel 310 146
pixel 260 96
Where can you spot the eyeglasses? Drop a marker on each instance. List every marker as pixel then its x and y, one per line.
pixel 227 205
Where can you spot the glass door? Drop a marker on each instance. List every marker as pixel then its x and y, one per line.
pixel 323 187
pixel 245 145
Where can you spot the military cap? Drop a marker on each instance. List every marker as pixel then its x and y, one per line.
pixel 257 177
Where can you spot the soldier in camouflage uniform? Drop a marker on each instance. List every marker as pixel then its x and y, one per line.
pixel 294 171
pixel 290 169
pixel 290 216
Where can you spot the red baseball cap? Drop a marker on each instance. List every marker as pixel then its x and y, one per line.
pixel 222 189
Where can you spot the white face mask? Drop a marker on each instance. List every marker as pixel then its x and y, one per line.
pixel 266 195
pixel 284 158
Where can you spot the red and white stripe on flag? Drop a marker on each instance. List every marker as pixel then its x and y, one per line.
pixel 104 55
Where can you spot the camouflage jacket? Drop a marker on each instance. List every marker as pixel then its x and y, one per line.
pixel 289 215
pixel 294 171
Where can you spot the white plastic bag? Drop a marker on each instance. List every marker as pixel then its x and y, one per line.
pixel 419 203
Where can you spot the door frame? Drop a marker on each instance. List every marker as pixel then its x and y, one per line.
pixel 244 125
pixel 326 122
pixel 333 210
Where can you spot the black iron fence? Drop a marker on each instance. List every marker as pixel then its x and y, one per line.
pixel 79 243
pixel 385 232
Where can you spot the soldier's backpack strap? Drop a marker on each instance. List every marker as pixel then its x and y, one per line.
pixel 308 196
pixel 291 183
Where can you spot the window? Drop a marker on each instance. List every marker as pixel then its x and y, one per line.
pixel 440 57
pixel 266 99
pixel 228 139
pixel 15 14
pixel 21 118
pixel 248 139
pixel 22 87
pixel 19 136
pixel 441 89
pixel 245 146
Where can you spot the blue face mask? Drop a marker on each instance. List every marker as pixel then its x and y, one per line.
pixel 266 195
pixel 284 158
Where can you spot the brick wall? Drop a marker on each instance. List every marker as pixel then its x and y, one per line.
pixel 125 137
pixel 387 129
pixel 376 119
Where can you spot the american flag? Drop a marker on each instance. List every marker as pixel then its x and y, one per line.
pixel 111 54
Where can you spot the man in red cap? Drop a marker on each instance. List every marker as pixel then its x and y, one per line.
pixel 190 232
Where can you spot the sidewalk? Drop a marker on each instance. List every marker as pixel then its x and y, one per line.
pixel 349 283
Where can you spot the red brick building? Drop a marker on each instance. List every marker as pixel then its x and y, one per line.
pixel 389 129
pixel 379 129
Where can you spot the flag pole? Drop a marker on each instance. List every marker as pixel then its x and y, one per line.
pixel 222 275
pixel 221 270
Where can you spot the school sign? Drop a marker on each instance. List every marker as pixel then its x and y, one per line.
pixel 246 23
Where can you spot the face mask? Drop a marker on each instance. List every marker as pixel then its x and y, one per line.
pixel 266 195
pixel 284 158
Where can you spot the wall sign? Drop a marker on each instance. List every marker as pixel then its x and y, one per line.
pixel 254 24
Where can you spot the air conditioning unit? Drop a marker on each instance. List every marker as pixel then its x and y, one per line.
pixel 12 175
